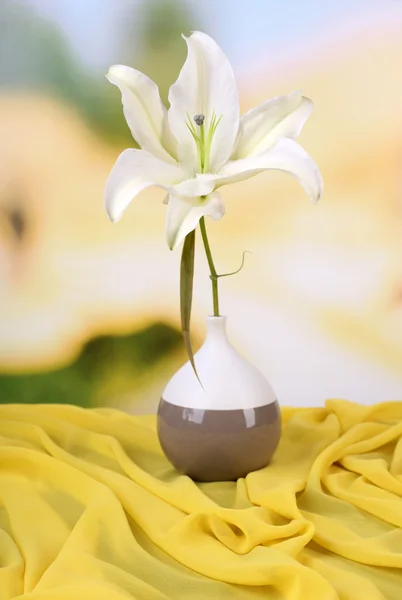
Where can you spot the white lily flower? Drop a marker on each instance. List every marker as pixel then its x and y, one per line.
pixel 201 143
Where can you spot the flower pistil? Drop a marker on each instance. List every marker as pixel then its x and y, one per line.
pixel 203 142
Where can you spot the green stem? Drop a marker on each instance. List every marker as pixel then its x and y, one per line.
pixel 214 275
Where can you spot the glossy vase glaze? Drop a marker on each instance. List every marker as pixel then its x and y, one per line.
pixel 228 427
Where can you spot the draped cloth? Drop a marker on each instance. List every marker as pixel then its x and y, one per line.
pixel 90 509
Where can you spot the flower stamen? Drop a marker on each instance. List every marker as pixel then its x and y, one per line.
pixel 203 142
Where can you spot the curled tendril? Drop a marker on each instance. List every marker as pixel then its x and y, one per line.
pixel 217 276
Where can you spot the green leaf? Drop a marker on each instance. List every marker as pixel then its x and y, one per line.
pixel 186 292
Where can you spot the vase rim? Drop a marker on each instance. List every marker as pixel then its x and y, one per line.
pixel 216 318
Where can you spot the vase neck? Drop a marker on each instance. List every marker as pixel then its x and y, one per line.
pixel 216 328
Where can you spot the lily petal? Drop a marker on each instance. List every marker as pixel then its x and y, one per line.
pixel 183 215
pixel 144 111
pixel 134 171
pixel 206 85
pixel 264 125
pixel 200 185
pixel 287 155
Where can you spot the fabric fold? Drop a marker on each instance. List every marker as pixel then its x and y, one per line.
pixel 90 508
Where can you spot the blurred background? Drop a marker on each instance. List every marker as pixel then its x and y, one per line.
pixel 89 311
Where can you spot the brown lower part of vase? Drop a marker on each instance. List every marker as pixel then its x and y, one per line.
pixel 218 445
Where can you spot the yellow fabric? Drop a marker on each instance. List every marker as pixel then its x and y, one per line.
pixel 90 509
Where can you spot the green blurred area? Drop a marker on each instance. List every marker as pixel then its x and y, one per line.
pixel 107 367
pixel 35 56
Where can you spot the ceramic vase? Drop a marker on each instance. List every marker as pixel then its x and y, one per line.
pixel 226 427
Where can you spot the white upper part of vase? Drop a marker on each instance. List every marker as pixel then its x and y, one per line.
pixel 229 381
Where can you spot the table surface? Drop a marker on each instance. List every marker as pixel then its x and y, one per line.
pixel 91 509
